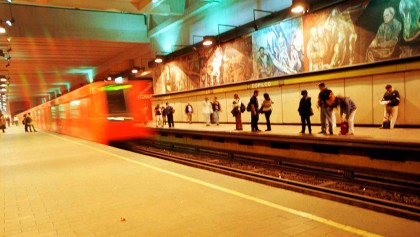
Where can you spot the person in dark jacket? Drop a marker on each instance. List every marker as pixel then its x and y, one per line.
pixel 254 112
pixel 347 107
pixel 391 100
pixel 324 96
pixel 305 111
pixel 170 114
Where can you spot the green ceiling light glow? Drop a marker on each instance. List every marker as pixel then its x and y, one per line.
pixel 66 84
pixel 115 87
pixel 88 71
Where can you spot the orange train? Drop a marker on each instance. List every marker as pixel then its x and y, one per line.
pixel 102 112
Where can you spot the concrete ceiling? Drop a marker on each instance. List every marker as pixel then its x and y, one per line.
pixel 59 45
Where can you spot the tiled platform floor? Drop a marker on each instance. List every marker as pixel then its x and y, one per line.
pixel 54 185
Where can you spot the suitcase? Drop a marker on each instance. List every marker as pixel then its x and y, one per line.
pixel 344 128
pixel 386 124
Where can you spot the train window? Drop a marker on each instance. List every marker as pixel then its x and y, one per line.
pixel 75 109
pixel 61 111
pixel 116 102
pixel 54 112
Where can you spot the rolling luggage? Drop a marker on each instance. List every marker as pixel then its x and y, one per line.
pixel 386 124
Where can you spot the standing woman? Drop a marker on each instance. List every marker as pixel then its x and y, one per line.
pixel 2 121
pixel 237 108
pixel 266 109
pixel 305 111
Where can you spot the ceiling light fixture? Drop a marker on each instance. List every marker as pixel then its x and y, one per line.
pixel 135 70
pixel 208 40
pixel 2 30
pixel 299 6
pixel 158 59
pixel 10 22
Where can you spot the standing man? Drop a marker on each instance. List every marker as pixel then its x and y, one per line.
pixel 207 110
pixel 326 110
pixel 254 112
pixel 189 111
pixel 170 114
pixel 216 109
pixel 392 100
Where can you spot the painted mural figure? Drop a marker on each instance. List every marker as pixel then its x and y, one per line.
pixel 339 31
pixel 315 50
pixel 264 64
pixel 409 10
pixel 296 52
pixel 278 51
pixel 383 45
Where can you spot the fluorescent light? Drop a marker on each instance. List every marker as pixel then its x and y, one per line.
pixel 119 80
pixel 75 102
pixel 158 60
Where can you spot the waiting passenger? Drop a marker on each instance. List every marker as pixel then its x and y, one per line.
pixel 391 100
pixel 266 109
pixel 325 94
pixel 216 110
pixel 31 123
pixel 2 122
pixel 305 111
pixel 254 112
pixel 236 111
pixel 164 115
pixel 158 116
pixel 189 111
pixel 25 122
pixel 347 107
pixel 16 121
pixel 207 110
pixel 170 113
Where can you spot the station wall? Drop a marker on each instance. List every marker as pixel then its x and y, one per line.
pixel 365 90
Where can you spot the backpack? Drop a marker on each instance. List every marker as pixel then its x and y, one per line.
pixel 248 107
pixel 242 108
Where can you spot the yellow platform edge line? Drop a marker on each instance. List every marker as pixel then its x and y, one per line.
pixel 234 193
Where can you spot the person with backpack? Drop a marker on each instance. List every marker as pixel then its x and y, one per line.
pixel 253 104
pixel 30 123
pixel 305 111
pixel 236 111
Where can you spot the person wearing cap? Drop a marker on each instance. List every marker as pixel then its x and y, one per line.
pixel 392 100
pixel 326 110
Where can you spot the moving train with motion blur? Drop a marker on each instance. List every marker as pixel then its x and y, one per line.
pixel 102 112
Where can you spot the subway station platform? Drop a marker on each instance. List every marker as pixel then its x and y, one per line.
pixel 55 185
pixel 401 135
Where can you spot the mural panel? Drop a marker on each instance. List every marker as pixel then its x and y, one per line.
pixel 356 32
pixel 227 63
pixel 390 30
pixel 278 49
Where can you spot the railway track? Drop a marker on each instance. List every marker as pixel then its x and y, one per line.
pixel 389 195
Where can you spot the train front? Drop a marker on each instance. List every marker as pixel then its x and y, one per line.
pixel 127 108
